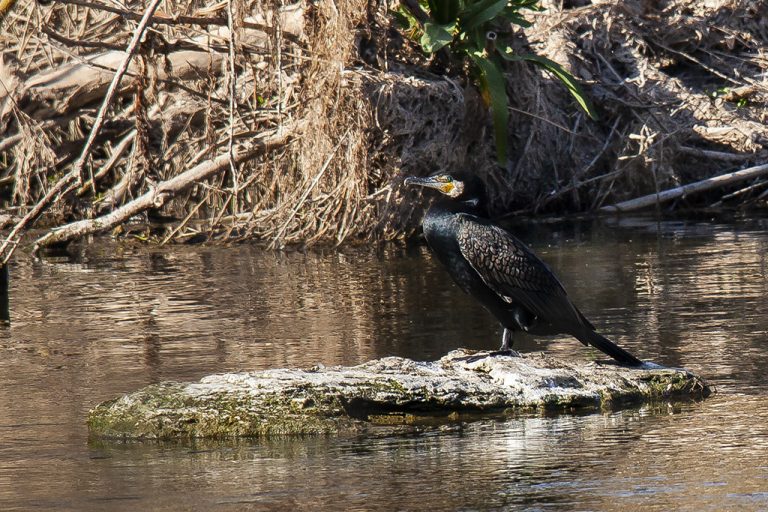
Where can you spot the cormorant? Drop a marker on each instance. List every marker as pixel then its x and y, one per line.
pixel 498 270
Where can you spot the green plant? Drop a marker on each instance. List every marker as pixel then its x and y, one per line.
pixel 731 96
pixel 478 31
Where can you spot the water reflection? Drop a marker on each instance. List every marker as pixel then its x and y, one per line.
pixel 119 317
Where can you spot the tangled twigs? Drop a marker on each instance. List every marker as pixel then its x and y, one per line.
pixel 223 72
pixel 164 19
pixel 166 190
pixel 276 240
pixel 77 168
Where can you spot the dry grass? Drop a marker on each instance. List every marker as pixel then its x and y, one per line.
pixel 653 68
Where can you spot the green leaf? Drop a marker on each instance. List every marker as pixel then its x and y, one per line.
pixel 481 12
pixel 407 22
pixel 436 36
pixel 532 5
pixel 404 18
pixel 475 40
pixel 472 7
pixel 565 77
pixel 493 87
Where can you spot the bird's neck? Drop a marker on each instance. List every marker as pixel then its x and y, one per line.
pixel 441 218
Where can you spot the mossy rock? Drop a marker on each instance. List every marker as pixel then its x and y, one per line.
pixel 383 393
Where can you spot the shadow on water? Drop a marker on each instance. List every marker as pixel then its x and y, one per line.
pixel 5 307
pixel 109 319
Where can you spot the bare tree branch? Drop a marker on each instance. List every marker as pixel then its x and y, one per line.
pixel 691 188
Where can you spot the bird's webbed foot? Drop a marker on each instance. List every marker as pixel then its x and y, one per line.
pixel 504 352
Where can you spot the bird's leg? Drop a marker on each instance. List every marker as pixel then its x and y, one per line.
pixel 506 340
pixel 506 345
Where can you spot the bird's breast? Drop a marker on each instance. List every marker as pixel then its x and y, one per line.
pixel 441 232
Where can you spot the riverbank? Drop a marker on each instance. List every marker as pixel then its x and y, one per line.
pixel 333 105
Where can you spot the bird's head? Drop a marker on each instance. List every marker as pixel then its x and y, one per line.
pixel 459 186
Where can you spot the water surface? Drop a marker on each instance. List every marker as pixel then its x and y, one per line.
pixel 114 318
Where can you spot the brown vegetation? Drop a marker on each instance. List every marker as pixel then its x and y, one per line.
pixel 307 121
pixel 682 88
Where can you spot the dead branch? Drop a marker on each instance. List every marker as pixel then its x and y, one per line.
pixel 76 84
pixel 157 19
pixel 82 44
pixel 112 89
pixel 716 155
pixel 11 141
pixel 128 182
pixel 740 192
pixel 691 188
pixel 166 190
pixel 180 19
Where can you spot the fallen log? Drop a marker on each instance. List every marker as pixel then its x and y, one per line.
pixel 382 394
pixel 691 188
pixel 71 86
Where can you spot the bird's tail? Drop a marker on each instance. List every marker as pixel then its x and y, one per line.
pixel 608 347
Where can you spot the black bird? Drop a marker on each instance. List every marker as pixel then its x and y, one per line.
pixel 498 270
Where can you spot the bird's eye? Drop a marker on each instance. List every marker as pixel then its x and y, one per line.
pixel 443 178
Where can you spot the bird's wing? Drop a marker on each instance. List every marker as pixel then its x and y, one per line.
pixel 511 270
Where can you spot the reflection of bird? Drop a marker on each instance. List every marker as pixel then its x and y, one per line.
pixel 499 271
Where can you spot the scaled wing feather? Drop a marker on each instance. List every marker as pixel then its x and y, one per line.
pixel 511 270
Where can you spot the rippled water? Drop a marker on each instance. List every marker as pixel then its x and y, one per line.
pixel 115 318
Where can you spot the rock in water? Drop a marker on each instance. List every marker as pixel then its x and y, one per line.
pixel 385 392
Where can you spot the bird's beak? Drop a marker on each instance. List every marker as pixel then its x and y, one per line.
pixel 429 182
pixel 451 188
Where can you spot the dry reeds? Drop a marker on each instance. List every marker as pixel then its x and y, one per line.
pixel 194 91
pixel 671 79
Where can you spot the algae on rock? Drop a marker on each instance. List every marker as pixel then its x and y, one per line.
pixel 379 394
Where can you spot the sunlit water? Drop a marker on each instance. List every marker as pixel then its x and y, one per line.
pixel 113 319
